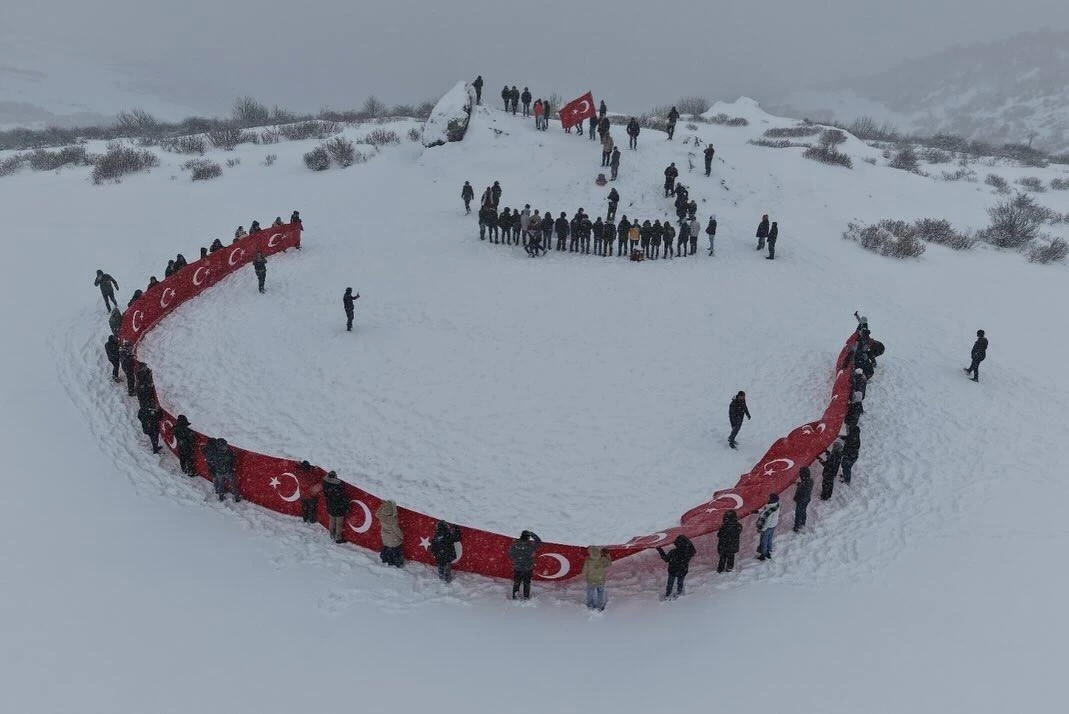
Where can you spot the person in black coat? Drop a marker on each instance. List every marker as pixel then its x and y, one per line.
pixel 858 383
pixel 525 99
pixel 184 444
pixel 610 238
pixel 736 411
pixel 709 152
pixel 135 297
pixel 773 234
pixel 614 201
pixel 348 301
pixel 337 499
pixel 514 98
pixel 673 117
pixel 602 110
pixel 831 460
pixel 547 231
pixel 633 130
pixel 678 560
pixel 254 228
pixel 169 270
pixel 295 217
pixel 216 245
pixel 478 85
pixel 146 389
pixel 621 236
pixel 727 541
pixel 180 262
pixel 495 193
pixel 467 194
pixel 762 232
pixel 444 548
pixel 979 354
pixel 562 227
pixel 670 175
pixel 129 367
pixel 108 285
pixel 219 458
pixel 802 495
pixel 150 424
pixel 851 450
pixel 111 349
pixel 259 266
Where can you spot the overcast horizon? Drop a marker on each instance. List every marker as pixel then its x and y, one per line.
pixel 327 53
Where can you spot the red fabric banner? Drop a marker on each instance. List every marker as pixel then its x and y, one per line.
pixel 281 485
pixel 577 110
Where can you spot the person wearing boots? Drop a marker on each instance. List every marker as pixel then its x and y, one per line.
pixel 259 266
pixel 710 230
pixel 338 505
pixel 830 460
pixel 150 425
pixel 979 354
pixel 762 232
pixel 185 442
pixel 348 301
pixel 594 569
pixel 444 549
pixel 111 349
pixel 736 411
pixel 678 560
pixel 803 493
pixel 727 541
pixel 392 537
pixel 767 520
pixel 773 235
pixel 522 554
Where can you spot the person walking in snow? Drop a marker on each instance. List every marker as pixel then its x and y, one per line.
pixel 670 175
pixel 146 388
pixel 348 302
pixel 522 554
pixel 773 234
pixel 767 520
pixel 514 97
pixel 525 98
pixel 858 383
pixel 108 285
pixel 506 96
pixel 150 425
pixel 495 193
pixel 710 231
pixel 111 349
pixel 803 493
pixel 115 321
pixel 129 367
pixel 467 194
pixel 830 460
pixel 727 541
pixel 259 266
pixel 220 460
pixel 614 163
pixel 444 549
pixel 736 411
pixel 478 85
pixel 673 117
pixel 851 450
pixel 538 114
pixel 185 442
pixel 614 201
pixel 709 153
pixel 337 500
pixel 632 133
pixel 594 569
pixel 390 532
pixel 762 232
pixel 678 560
pixel 979 354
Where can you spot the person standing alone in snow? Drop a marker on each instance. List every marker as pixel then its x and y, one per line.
pixel 709 152
pixel 979 354
pixel 673 117
pixel 727 541
pixel 710 230
pixel 767 520
pixel 348 301
pixel 522 554
pixel 259 266
pixel 632 133
pixel 594 568
pixel 478 85
pixel 614 163
pixel 108 285
pixel 736 411
pixel 467 194
pixel 678 560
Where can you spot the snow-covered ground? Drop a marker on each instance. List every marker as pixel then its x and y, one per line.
pixel 582 397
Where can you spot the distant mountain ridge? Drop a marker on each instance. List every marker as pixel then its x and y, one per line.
pixel 1015 90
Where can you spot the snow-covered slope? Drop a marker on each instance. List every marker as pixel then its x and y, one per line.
pixel 576 395
pixel 1009 91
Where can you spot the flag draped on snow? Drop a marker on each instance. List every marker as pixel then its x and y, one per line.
pixel 577 110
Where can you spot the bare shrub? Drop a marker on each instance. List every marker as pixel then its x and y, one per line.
pixel 870 160
pixel 1059 184
pixel 1015 222
pixel 773 143
pixel 939 231
pixel 1053 251
pixel 318 159
pixel 935 156
pixel 793 132
pixel 185 145
pixel 248 112
pixel 830 138
pixel 314 129
pixel 998 183
pixel 203 169
pixel 373 108
pixel 341 151
pixel 694 105
pixel 883 242
pixel 828 156
pixel 11 164
pixel 138 122
pixel 121 160
pixel 381 137
pixel 905 159
pixel 42 160
pixel 865 128
pixel 231 163
pixel 228 136
pixel 270 136
pixel 414 134
pixel 725 120
pixel 961 174
pixel 270 159
pixel 1032 183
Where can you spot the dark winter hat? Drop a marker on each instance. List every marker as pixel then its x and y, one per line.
pixel 332 474
pixel 774 498
pixel 731 515
pixel 305 465
pixel 182 420
pixel 979 333
pixel 741 394
pixel 348 290
pixel 804 472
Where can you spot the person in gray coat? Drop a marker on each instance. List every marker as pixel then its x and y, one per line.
pixel 522 554
pixel 115 321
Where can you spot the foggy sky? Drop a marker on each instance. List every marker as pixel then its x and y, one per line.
pixel 316 53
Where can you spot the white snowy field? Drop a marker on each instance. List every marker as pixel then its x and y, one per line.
pixel 579 396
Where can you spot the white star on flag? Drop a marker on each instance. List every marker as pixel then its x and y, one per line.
pixel 275 483
pixel 425 543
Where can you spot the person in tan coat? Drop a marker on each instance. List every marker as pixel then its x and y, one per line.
pixel 392 537
pixel 594 568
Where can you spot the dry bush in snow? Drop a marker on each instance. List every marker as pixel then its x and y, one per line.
pixel 883 242
pixel 1053 250
pixel 203 169
pixel 120 160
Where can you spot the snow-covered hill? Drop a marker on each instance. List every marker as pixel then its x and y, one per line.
pixel 1008 91
pixel 580 396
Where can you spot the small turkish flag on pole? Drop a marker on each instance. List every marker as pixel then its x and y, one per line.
pixel 577 110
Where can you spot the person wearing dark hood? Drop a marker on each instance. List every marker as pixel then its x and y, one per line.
pixel 562 228
pixel 673 117
pixel 392 537
pixel 855 409
pixel 678 560
pixel 633 130
pixel 259 266
pixel 669 236
pixel 108 285
pixel 736 411
pixel 179 262
pixel 153 281
pixel 710 231
pixel 146 388
pixel 851 450
pixel 621 236
pixel 670 175
pixel 610 238
pixel 614 201
pixel 858 383
pixel 547 231
pixel 169 270
pixel 773 235
pixel 614 163
pixel 115 321
pixel 135 297
pixel 645 234
pixel 684 237
pixel 111 349
pixel 602 110
pixel 185 443
pixel 762 232
pixel 444 549
pixel 348 301
pixel 514 96
pixel 478 85
pixel 295 217
pixel 467 194
pixel 595 567
pixel 803 493
pixel 506 96
pixel 709 153
pixel 522 554
pixel 598 230
pixel 216 245
pixel 484 219
pixel 525 99
pixel 727 541
pixel 505 220
pixel 277 222
pixel 830 460
pixel 254 228
pixel 337 499
pixel 655 240
pixel 767 520
pixel 495 193
pixel 239 233
pixel 310 495
pixel 203 252
pixel 150 425
pixel 220 460
pixel 129 367
pixel 979 354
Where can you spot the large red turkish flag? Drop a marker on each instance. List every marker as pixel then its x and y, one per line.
pixel 577 110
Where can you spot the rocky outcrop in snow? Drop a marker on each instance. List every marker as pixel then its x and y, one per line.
pixel 449 118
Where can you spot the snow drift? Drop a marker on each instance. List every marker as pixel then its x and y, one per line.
pixel 449 118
